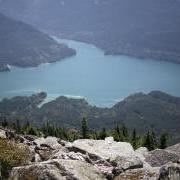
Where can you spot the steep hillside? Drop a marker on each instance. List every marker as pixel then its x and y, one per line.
pixel 22 45
pixel 146 29
pixel 140 111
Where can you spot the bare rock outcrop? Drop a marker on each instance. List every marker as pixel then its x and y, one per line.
pixel 175 149
pixel 170 171
pixel 159 157
pixel 57 170
pixel 137 174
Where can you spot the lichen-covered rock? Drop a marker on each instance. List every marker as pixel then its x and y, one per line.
pixel 104 166
pixel 137 174
pixel 70 156
pixel 142 152
pixel 57 170
pixel 175 149
pixel 127 162
pixel 44 171
pixel 52 142
pixel 30 137
pixel 160 157
pixel 109 156
pixel 103 149
pixel 170 171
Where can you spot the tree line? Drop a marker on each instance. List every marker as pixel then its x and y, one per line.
pixel 120 133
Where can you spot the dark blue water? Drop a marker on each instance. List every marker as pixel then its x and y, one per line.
pixel 102 80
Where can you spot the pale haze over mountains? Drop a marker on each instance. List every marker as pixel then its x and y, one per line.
pixel 146 29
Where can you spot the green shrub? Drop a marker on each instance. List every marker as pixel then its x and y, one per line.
pixel 12 154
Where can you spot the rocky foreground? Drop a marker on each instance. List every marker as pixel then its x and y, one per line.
pixel 84 159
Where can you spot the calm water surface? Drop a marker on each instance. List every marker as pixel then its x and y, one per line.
pixel 102 80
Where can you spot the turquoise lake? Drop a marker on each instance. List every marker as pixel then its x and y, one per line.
pixel 102 80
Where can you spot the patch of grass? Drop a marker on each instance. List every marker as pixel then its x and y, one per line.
pixel 12 154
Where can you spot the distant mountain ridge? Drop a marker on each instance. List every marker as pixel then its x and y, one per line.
pixel 22 45
pixel 140 111
pixel 144 29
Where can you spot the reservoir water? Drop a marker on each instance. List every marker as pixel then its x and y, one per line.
pixel 102 80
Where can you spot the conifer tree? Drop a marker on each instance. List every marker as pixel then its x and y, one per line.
pixel 150 140
pixel 18 126
pixel 163 140
pixel 147 141
pixel 84 128
pixel 154 139
pixel 31 130
pixel 5 122
pixel 103 134
pixel 125 132
pixel 134 139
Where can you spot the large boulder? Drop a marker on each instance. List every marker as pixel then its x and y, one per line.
pixel 104 149
pixel 51 142
pixel 57 170
pixel 175 149
pixel 47 147
pixel 137 174
pixel 123 163
pixel 105 167
pixel 142 152
pixel 109 156
pixel 160 157
pixel 7 134
pixel 170 171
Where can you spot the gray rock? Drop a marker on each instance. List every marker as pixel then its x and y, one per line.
pixel 64 143
pixel 44 152
pixel 175 149
pixel 160 157
pixel 137 174
pixel 109 156
pixel 37 158
pixel 104 166
pixel 70 156
pixel 57 170
pixel 3 134
pixel 6 133
pixel 51 142
pixel 125 163
pixel 107 150
pixel 142 152
pixel 30 137
pixel 170 171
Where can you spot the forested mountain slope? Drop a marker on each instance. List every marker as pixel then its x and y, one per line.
pixel 22 45
pixel 141 111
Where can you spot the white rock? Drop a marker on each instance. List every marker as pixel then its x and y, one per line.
pixel 37 158
pixel 120 154
pixel 49 141
pixel 142 152
pixel 109 140
pixel 103 149
pixel 3 134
